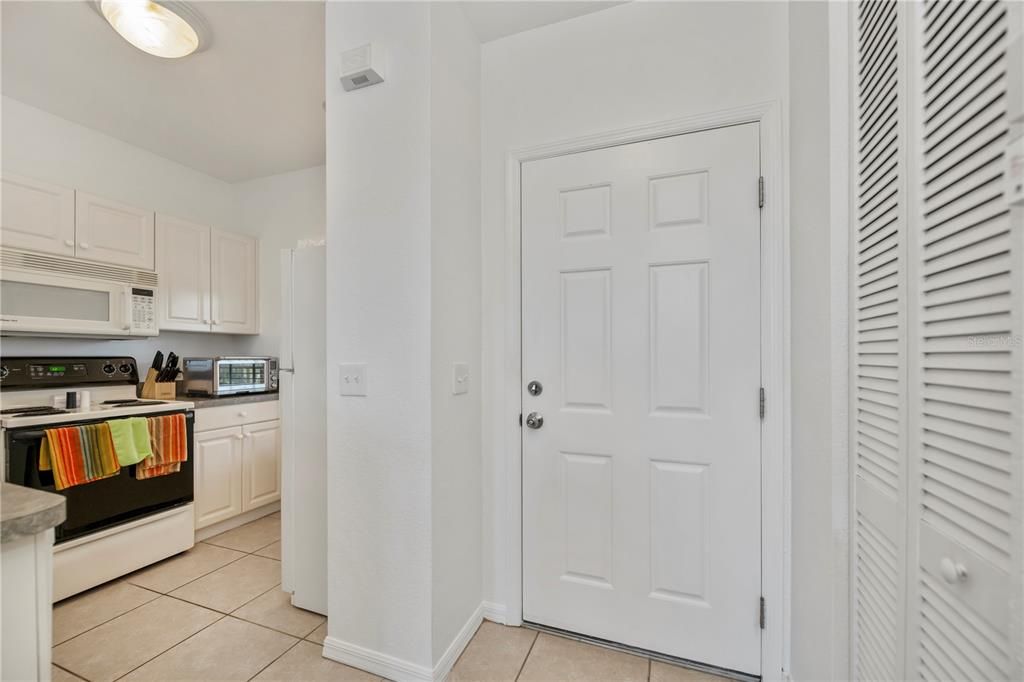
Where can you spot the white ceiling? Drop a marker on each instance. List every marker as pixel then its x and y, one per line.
pixel 250 106
pixel 493 20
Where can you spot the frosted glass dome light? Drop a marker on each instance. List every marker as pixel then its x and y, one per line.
pixel 162 29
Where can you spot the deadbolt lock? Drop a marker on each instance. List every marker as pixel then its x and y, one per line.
pixel 535 388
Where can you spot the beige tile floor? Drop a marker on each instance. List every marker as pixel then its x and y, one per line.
pixel 217 612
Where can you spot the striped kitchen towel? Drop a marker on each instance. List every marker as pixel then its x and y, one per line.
pixel 78 454
pixel 167 439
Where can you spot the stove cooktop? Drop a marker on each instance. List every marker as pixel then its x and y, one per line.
pixel 32 411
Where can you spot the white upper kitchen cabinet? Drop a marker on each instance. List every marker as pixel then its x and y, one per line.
pixel 111 232
pixel 37 216
pixel 234 283
pixel 183 265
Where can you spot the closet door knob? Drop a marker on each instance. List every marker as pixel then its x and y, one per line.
pixel 953 572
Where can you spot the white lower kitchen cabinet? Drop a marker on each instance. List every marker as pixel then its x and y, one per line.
pixel 238 460
pixel 218 472
pixel 261 464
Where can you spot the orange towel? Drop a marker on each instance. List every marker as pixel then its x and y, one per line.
pixel 78 454
pixel 167 436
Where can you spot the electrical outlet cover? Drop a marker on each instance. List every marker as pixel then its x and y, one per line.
pixel 352 379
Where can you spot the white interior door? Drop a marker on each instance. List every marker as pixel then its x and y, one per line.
pixel 641 320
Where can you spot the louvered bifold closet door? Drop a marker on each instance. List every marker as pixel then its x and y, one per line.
pixel 879 329
pixel 964 400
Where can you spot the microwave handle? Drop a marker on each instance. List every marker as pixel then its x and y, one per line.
pixel 127 307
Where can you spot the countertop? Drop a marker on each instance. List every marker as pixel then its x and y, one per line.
pixel 217 401
pixel 26 511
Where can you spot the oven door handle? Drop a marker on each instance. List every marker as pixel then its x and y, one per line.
pixel 27 435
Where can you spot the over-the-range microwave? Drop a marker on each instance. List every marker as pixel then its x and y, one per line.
pixel 55 296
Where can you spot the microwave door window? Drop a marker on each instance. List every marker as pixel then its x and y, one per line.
pixel 25 299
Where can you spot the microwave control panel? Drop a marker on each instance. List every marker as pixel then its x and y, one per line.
pixel 143 310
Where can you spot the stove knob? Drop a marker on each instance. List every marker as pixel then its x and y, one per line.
pixel 125 369
pixel 108 368
pixel 4 372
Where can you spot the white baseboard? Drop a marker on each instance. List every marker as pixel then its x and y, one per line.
pixel 375 662
pixel 494 611
pixel 236 521
pixel 400 670
pixel 444 666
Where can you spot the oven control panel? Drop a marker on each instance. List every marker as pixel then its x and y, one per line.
pixel 32 372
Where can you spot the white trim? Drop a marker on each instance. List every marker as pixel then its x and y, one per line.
pixel 458 645
pixel 393 668
pixel 236 521
pixel 375 662
pixel 494 612
pixel 775 354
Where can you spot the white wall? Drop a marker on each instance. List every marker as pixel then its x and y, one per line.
pixel 403 246
pixel 455 320
pixel 631 64
pixel 379 311
pixel 39 145
pixel 280 210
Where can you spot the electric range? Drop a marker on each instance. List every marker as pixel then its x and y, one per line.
pixel 114 525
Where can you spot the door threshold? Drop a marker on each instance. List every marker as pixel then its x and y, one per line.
pixel 636 651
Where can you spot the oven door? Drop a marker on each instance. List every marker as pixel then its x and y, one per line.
pixel 39 303
pixel 104 503
pixel 241 375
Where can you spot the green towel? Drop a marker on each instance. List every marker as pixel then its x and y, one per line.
pixel 131 440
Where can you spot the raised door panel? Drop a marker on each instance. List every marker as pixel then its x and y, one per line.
pixel 111 232
pixel 183 264
pixel 37 216
pixel 218 475
pixel 235 283
pixel 261 464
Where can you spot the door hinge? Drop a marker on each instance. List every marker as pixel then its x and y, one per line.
pixel 520 419
pixel 761 615
pixel 760 402
pixel 760 192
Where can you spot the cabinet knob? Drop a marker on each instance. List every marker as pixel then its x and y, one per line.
pixel 243 414
pixel 69 242
pixel 953 572
pixel 216 321
pixel 240 436
pixel 83 245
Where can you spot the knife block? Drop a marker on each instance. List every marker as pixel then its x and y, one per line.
pixel 153 390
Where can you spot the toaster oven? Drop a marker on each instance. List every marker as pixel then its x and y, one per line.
pixel 230 375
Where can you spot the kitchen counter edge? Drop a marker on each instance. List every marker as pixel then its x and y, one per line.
pixel 27 511
pixel 217 401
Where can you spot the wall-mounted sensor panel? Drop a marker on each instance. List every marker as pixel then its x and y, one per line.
pixel 362 67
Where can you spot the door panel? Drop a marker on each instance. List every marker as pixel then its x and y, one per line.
pixel 641 318
pixel 183 264
pixel 37 216
pixel 218 470
pixel 234 282
pixel 261 464
pixel 111 232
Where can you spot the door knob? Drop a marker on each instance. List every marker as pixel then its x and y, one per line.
pixel 952 572
pixel 535 420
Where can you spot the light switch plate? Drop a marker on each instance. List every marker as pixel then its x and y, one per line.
pixel 352 379
pixel 460 378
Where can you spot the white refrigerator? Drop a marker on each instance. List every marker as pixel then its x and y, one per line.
pixel 303 364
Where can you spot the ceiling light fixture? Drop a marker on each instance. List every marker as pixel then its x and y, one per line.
pixel 163 29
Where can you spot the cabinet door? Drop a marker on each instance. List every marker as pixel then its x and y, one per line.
pixel 183 264
pixel 111 232
pixel 37 216
pixel 218 473
pixel 261 464
pixel 235 283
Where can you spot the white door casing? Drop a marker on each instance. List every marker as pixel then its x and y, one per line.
pixel 641 318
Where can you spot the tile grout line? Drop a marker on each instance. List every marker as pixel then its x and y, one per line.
pixel 295 644
pixel 158 595
pixel 68 671
pixel 171 647
pixel 527 656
